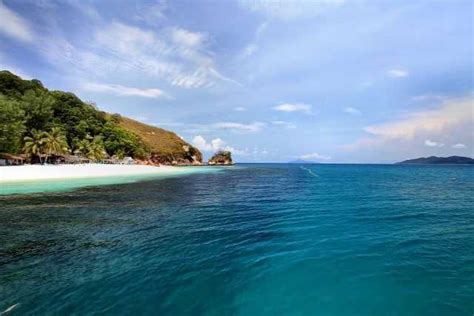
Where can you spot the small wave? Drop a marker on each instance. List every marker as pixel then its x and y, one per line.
pixel 9 309
pixel 309 171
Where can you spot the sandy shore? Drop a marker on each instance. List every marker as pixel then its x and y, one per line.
pixel 49 172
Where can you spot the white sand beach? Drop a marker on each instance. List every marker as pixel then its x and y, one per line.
pixel 77 171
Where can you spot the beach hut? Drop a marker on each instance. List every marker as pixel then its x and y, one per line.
pixel 11 160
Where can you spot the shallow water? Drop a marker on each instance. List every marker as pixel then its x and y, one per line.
pixel 55 185
pixel 253 240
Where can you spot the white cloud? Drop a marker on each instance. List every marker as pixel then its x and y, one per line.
pixel 449 114
pixel 352 111
pixel 13 25
pixel 293 107
pixel 240 109
pixel 290 9
pixel 124 91
pixel 252 127
pixel 187 38
pixel 314 156
pixel 285 124
pixel 431 143
pixel 215 145
pixel 459 146
pixel 452 118
pixel 397 73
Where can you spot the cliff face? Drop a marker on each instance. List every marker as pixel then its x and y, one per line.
pixel 165 147
pixel 221 158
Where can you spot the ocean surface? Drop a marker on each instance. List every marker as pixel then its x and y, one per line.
pixel 262 239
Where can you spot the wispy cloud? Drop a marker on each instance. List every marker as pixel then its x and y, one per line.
pixel 13 25
pixel 448 119
pixel 290 10
pixel 124 91
pixel 240 109
pixel 153 13
pixel 252 127
pixel 352 111
pixel 397 73
pixel 285 124
pixel 429 97
pixel 293 107
pixel 175 55
pixel 448 115
pixel 187 38
pixel 251 48
pixel 314 156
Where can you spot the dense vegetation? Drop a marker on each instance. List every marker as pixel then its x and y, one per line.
pixel 42 123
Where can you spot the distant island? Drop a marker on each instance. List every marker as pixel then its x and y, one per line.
pixel 433 160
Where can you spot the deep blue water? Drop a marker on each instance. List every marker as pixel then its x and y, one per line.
pixel 248 240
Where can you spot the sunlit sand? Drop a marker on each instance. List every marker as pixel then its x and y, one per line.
pixel 51 172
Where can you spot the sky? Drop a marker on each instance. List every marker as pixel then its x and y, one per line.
pixel 333 81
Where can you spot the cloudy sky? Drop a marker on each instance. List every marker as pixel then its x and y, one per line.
pixel 328 80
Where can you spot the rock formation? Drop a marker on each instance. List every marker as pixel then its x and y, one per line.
pixel 221 158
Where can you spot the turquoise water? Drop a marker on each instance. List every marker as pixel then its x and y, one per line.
pixel 55 185
pixel 253 240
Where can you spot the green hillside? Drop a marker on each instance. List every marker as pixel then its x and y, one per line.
pixel 32 117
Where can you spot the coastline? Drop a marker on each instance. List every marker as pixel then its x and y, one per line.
pixel 13 174
pixel 28 179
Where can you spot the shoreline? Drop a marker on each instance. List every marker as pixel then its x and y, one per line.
pixel 27 173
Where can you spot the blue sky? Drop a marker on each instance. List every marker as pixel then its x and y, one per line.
pixel 329 81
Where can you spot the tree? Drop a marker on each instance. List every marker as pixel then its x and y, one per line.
pixel 55 143
pixel 96 150
pixel 91 148
pixel 38 107
pixel 35 144
pixel 12 126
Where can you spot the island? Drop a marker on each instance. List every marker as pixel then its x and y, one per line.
pixel 433 160
pixel 47 135
pixel 221 158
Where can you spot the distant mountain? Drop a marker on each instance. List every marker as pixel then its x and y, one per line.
pixel 458 160
pixel 301 161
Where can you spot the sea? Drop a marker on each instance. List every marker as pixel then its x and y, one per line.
pixel 251 239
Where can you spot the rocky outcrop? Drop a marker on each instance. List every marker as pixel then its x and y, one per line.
pixel 221 158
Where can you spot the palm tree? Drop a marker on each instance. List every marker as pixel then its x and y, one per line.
pixel 35 144
pixel 93 149
pixel 55 143
pixel 82 147
pixel 96 150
